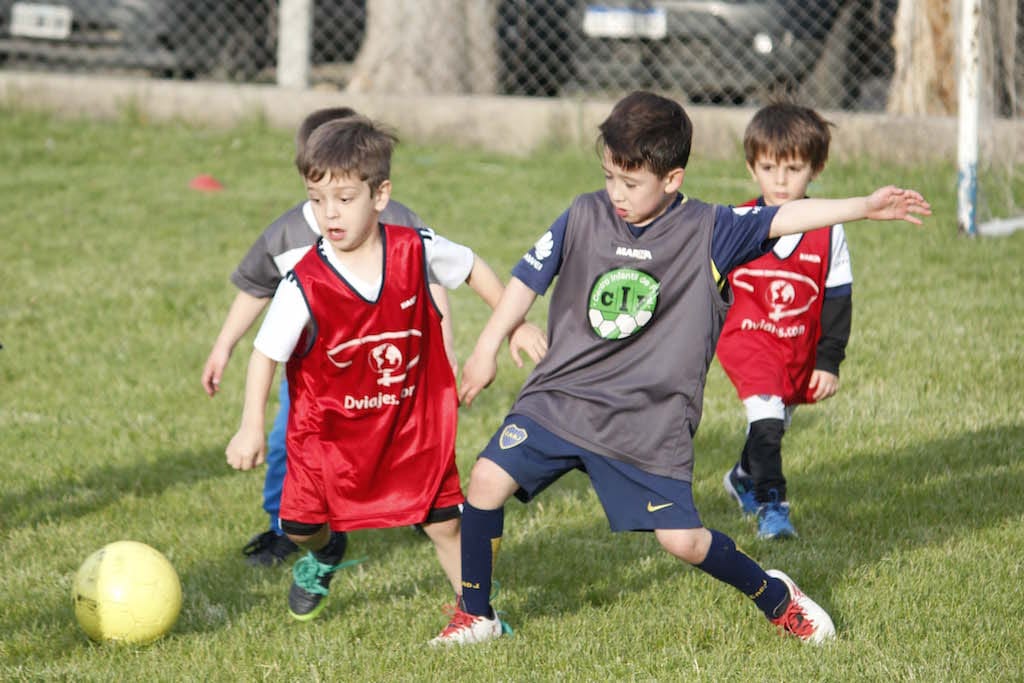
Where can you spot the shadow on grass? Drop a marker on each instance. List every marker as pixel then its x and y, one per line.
pixel 919 495
pixel 916 496
pixel 859 509
pixel 80 493
pixel 216 594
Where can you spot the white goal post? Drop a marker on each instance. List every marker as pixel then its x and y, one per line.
pixel 967 123
pixel 1001 140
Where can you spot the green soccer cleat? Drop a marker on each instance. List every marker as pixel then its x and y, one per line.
pixel 310 585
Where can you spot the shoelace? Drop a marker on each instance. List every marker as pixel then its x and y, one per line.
pixel 308 571
pixel 458 620
pixel 795 621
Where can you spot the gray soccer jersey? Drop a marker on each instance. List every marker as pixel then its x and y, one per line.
pixel 632 326
pixel 287 239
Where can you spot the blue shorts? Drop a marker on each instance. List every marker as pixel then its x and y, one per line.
pixel 633 500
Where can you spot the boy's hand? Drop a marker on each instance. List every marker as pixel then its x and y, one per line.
pixel 823 385
pixel 894 203
pixel 214 370
pixel 477 373
pixel 247 449
pixel 528 339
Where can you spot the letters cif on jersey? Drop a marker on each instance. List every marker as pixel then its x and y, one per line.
pixel 386 360
pixel 622 302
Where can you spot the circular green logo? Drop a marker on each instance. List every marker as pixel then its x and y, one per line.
pixel 622 302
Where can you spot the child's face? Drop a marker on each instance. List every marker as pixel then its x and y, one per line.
pixel 346 210
pixel 782 180
pixel 639 196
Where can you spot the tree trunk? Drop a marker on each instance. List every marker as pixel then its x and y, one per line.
pixel 925 40
pixel 926 37
pixel 427 47
pixel 1002 59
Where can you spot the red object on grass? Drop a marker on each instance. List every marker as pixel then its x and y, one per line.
pixel 206 183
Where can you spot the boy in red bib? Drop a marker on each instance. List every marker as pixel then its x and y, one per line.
pixel 786 333
pixel 278 248
pixel 371 431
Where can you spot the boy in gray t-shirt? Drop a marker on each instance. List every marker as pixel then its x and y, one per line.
pixel 632 324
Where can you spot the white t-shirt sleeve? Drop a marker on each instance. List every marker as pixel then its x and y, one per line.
pixel 448 263
pixel 840 272
pixel 286 318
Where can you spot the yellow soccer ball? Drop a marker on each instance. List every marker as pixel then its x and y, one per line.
pixel 126 592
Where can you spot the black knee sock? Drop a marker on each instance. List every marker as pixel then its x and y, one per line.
pixel 334 551
pixel 745 456
pixel 764 455
pixel 481 535
pixel 731 565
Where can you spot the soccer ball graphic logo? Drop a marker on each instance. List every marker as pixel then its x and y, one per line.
pixel 126 592
pixel 622 302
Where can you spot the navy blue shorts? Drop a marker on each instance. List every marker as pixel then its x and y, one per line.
pixel 633 500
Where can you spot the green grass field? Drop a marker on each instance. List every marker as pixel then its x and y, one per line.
pixel 907 488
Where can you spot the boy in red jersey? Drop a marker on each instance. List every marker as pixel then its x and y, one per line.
pixel 371 431
pixel 786 332
pixel 272 255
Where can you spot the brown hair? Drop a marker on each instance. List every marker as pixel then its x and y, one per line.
pixel 647 131
pixel 351 146
pixel 316 119
pixel 783 130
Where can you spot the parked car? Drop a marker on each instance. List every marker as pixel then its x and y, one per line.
pixel 730 51
pixel 710 50
pixel 87 32
pixel 175 38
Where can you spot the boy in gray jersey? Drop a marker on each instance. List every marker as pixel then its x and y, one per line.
pixel 273 254
pixel 632 326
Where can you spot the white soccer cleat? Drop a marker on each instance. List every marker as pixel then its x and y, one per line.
pixel 466 628
pixel 803 617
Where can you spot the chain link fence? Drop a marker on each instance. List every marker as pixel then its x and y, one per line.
pixel 831 54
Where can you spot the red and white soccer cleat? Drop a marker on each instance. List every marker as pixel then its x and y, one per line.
pixel 803 617
pixel 466 628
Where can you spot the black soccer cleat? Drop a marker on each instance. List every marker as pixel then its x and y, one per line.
pixel 268 549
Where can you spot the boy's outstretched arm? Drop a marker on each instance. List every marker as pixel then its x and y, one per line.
pixel 884 204
pixel 248 447
pixel 481 366
pixel 242 314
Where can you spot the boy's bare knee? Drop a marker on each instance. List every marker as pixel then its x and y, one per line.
pixel 447 530
pixel 689 545
pixel 306 542
pixel 489 485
